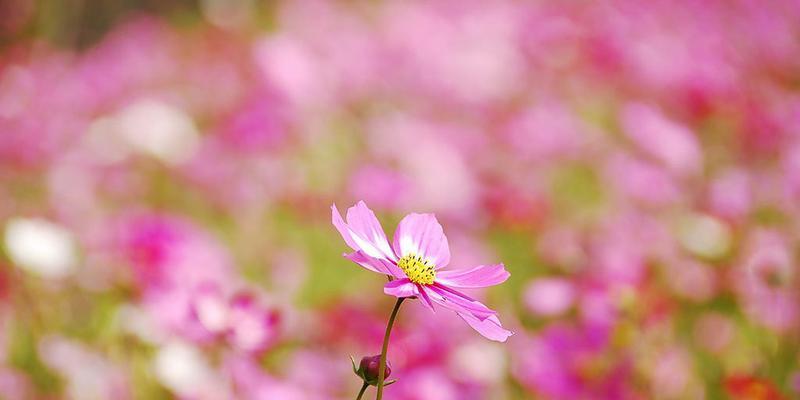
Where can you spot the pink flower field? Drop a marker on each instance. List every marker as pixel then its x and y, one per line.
pixel 400 200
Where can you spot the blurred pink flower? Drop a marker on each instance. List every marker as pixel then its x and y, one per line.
pixel 15 384
pixel 317 371
pixel 166 251
pixel 132 59
pixel 252 327
pixel 288 63
pixel 615 257
pixel 381 186
pixel 251 177
pixel 97 377
pixel 427 383
pixel 641 180
pixel 549 296
pixel 514 206
pixel 416 260
pixel 258 125
pixel 669 142
pixel 671 373
pixel 33 84
pixel 691 279
pixel 244 323
pixel 569 363
pixel 546 133
pixel 176 265
pixel 731 194
pixel 563 247
pixel 764 280
pixel 250 382
pixel 794 382
pixel 443 178
pixel 714 331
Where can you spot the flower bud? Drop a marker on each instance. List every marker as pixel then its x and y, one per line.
pixel 368 370
pixel 370 365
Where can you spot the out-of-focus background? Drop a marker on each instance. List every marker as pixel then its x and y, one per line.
pixel 167 170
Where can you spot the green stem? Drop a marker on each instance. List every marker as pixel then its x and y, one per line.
pixel 363 389
pixel 382 366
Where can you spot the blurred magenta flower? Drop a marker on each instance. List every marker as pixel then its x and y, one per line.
pixel 415 262
pixel 167 251
pixel 572 362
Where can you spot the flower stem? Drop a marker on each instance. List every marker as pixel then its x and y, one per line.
pixel 382 366
pixel 363 389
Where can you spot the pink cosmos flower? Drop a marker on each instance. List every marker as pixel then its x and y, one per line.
pixel 245 323
pixel 252 326
pixel 415 263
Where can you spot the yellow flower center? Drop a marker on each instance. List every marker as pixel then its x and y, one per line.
pixel 417 269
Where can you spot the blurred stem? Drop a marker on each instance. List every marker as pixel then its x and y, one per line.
pixel 363 389
pixel 382 366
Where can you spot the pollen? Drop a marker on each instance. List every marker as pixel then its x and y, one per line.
pixel 418 270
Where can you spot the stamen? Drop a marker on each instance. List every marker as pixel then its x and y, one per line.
pixel 417 269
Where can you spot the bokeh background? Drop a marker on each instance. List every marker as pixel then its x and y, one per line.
pixel 167 170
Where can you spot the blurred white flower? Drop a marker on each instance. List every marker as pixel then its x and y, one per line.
pixel 40 247
pixel 135 321
pixel 158 129
pixel 182 369
pixel 704 236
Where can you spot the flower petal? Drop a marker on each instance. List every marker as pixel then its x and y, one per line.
pixel 421 234
pixel 458 302
pixel 425 298
pixel 363 231
pixel 374 264
pixel 490 327
pixel 401 288
pixel 478 277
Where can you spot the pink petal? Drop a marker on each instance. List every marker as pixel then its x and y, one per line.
pixel 375 265
pixel 478 277
pixel 421 234
pixel 457 302
pixel 425 299
pixel 490 327
pixel 363 231
pixel 401 288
